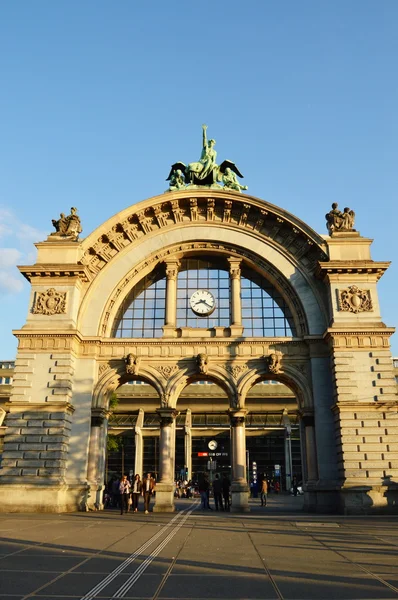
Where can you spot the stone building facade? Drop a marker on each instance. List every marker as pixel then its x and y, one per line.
pixel 72 356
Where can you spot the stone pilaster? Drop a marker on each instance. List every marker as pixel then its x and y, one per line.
pixel 236 302
pixel 239 487
pixel 139 444
pixel 172 267
pixel 165 487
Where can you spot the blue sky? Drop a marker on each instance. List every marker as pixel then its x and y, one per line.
pixel 99 99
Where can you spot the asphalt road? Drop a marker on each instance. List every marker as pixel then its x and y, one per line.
pixel 273 552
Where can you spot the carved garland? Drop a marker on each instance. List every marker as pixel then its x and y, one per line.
pixel 49 303
pixel 160 256
pixel 234 212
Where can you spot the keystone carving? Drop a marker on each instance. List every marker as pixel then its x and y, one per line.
pixel 49 303
pixel 202 361
pixel 274 363
pixel 355 300
pixel 132 364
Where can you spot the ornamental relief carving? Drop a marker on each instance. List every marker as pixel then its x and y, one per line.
pixel 167 370
pixel 235 212
pixel 49 303
pixel 236 370
pixel 355 300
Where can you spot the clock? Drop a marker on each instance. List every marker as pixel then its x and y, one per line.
pixel 212 445
pixel 202 303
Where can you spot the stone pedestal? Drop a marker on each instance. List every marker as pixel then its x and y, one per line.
pixel 165 487
pixel 239 487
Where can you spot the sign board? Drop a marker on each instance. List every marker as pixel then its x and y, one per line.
pixel 203 454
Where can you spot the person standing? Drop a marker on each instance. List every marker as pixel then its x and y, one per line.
pixel 217 492
pixel 264 491
pixel 136 490
pixel 124 491
pixel 148 485
pixel 203 490
pixel 226 485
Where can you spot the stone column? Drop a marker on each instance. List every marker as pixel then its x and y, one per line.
pixel 165 486
pixel 172 267
pixel 236 303
pixel 96 458
pixel 288 450
pixel 239 487
pixel 139 444
pixel 310 447
pixel 188 444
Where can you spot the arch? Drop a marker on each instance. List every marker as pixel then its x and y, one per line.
pixel 110 286
pixel 215 373
pixel 115 376
pixel 289 375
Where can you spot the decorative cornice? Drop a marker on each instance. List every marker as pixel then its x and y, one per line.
pixel 56 270
pixel 351 267
pixel 221 208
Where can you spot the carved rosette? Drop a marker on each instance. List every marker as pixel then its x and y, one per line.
pixel 103 368
pixel 49 303
pixel 355 300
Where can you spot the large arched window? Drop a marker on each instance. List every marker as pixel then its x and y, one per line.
pixel 264 310
pixel 197 274
pixel 142 312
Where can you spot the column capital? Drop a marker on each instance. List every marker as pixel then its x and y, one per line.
pixel 308 418
pixel 237 417
pixel 234 267
pixel 99 415
pixel 172 267
pixel 167 416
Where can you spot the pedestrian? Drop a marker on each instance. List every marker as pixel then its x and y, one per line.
pixel 277 487
pixel 203 490
pixel 148 486
pixel 217 492
pixel 264 491
pixel 295 490
pixel 124 491
pixel 226 485
pixel 136 489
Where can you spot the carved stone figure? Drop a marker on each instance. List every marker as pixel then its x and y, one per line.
pixel 274 362
pixel 132 364
pixel 355 300
pixel 202 360
pixel 49 303
pixel 206 172
pixel 68 227
pixel 338 221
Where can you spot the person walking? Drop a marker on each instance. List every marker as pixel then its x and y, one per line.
pixel 226 485
pixel 124 491
pixel 136 490
pixel 217 492
pixel 264 491
pixel 148 486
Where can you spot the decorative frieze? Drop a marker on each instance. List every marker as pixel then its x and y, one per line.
pixel 49 303
pixel 355 300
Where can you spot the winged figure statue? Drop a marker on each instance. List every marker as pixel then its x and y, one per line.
pixel 205 172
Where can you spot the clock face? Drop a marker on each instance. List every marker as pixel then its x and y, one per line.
pixel 212 445
pixel 202 303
